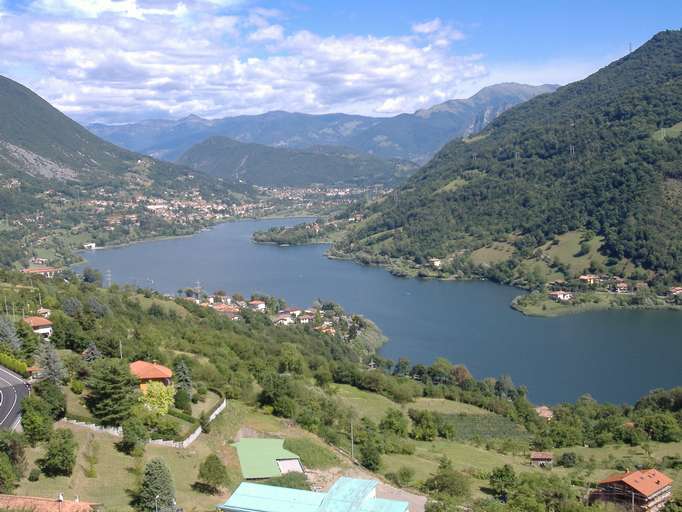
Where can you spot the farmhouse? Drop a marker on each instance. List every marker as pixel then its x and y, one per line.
pixel 346 495
pixel 544 412
pixel 676 291
pixel 541 459
pixel 150 372
pixel 41 326
pixel 561 296
pixel 644 491
pixel 257 305
pixel 284 320
pixel 590 279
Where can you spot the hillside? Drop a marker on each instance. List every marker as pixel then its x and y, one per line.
pixel 601 155
pixel 61 186
pixel 413 137
pixel 257 164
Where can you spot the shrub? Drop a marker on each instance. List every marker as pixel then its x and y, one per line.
pixel 60 457
pixel 77 386
pixel 14 364
pixel 34 475
pixel 212 475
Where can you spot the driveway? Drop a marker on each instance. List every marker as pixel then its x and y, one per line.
pixel 13 389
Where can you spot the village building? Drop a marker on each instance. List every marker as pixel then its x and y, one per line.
pixel 257 305
pixel 590 279
pixel 293 311
pixel 545 412
pixel 621 287
pixel 646 490
pixel 436 263
pixel 44 312
pixel 561 296
pixel 226 308
pixel 306 318
pixel 284 320
pixel 48 272
pixel 91 246
pixel 35 504
pixel 346 495
pixel 150 372
pixel 676 291
pixel 541 459
pixel 40 325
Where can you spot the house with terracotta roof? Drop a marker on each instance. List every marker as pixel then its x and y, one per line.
pixel 48 272
pixel 41 326
pixel 544 412
pixel 646 490
pixel 257 305
pixel 541 459
pixel 284 319
pixel 150 372
pixel 590 279
pixel 35 504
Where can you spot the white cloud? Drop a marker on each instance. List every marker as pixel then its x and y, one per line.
pixel 268 33
pixel 130 59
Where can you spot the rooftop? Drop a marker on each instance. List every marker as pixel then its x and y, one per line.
pixel 43 504
pixel 258 457
pixel 150 371
pixel 646 482
pixel 346 495
pixel 37 321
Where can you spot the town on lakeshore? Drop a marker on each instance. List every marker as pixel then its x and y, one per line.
pixel 340 256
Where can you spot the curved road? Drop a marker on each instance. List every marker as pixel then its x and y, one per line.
pixel 13 389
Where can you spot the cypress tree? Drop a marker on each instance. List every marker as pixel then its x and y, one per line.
pixel 183 376
pixel 156 481
pixel 112 391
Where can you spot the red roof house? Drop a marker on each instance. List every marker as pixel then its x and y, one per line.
pixel 150 372
pixel 647 490
pixel 40 325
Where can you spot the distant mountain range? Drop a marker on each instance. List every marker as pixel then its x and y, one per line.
pixel 602 155
pixel 415 137
pixel 257 164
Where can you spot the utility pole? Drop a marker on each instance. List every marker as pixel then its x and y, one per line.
pixel 120 348
pixel 352 443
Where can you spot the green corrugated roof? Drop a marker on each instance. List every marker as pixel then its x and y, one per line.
pixel 258 457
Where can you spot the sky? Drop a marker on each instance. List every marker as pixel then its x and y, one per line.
pixel 118 61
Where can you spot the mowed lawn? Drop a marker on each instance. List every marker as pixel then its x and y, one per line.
pixel 118 474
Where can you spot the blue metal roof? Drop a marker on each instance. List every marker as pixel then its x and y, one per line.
pixel 266 498
pixel 346 495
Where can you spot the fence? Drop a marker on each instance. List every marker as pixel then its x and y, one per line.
pixel 118 432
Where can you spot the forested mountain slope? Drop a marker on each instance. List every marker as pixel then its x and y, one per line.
pixel 257 164
pixel 413 137
pixel 602 154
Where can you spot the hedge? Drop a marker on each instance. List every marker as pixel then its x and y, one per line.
pixel 14 364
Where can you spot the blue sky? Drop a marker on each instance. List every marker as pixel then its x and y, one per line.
pixel 124 60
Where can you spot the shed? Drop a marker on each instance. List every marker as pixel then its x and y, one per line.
pixel 541 459
pixel 266 458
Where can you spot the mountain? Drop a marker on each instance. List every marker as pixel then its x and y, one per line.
pixel 603 155
pixel 413 137
pixel 38 143
pixel 257 164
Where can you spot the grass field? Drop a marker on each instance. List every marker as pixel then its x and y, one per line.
pixel 569 246
pixel 668 133
pixel 494 253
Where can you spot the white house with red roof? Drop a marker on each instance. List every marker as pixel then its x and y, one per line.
pixel 147 372
pixel 40 325
pixel 258 305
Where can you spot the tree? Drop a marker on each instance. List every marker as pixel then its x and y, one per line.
pixel 36 420
pixel 183 401
pixel 8 476
pixel 158 398
pixel 112 391
pixel 394 421
pixel 91 353
pixel 212 474
pixel 182 376
pixel 370 455
pixel 449 482
pixel 135 435
pixel 157 491
pixel 8 334
pixel 502 480
pixel 92 276
pixel 568 460
pixel 60 457
pixel 53 396
pixel 48 359
pixel 13 445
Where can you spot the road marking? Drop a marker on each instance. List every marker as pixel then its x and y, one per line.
pixel 16 395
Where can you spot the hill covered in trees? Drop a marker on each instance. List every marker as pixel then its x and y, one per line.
pixel 602 155
pixel 257 164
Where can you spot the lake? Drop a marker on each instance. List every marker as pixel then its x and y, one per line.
pixel 615 356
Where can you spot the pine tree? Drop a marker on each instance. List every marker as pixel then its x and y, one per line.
pixel 91 353
pixel 8 334
pixel 183 376
pixel 157 491
pixel 112 391
pixel 51 364
pixel 212 474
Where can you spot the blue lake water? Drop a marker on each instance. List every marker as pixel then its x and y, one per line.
pixel 615 356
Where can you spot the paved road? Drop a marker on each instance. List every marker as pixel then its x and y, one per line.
pixel 13 389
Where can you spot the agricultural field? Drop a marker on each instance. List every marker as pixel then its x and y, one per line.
pixel 495 253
